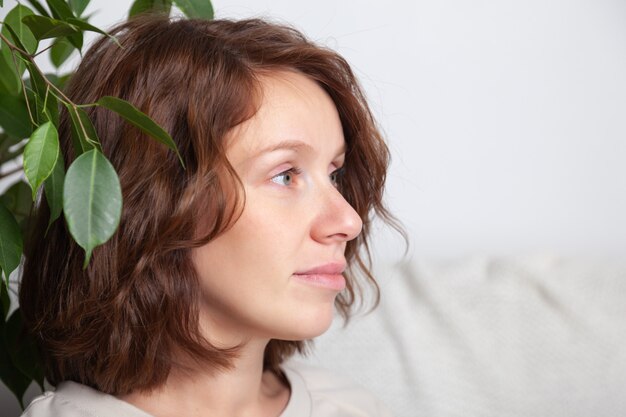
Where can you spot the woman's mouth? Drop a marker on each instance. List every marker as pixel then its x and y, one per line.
pixel 329 276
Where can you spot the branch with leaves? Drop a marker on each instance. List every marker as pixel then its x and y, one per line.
pixel 89 194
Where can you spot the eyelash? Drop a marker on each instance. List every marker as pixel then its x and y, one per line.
pixel 295 171
pixel 338 173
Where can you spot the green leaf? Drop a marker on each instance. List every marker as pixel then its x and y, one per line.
pixel 22 349
pixel 39 7
pixel 10 242
pixel 84 136
pixel 61 50
pixel 9 82
pixel 10 375
pixel 14 117
pixel 23 33
pixel 140 120
pixel 153 6
pixel 13 199
pixel 90 28
pixel 199 9
pixel 53 187
pixel 40 155
pixel 11 30
pixel 42 100
pixel 10 147
pixel 59 80
pixel 79 6
pixel 17 199
pixel 36 81
pixel 76 40
pixel 51 109
pixel 60 9
pixel 43 27
pixel 16 58
pixel 92 200
pixel 35 108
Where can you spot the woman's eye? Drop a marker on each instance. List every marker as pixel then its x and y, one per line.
pixel 285 177
pixel 335 177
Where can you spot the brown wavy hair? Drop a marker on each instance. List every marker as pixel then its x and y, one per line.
pixel 117 324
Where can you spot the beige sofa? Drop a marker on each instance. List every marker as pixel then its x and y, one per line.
pixel 503 337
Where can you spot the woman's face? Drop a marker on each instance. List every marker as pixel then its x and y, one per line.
pixel 277 271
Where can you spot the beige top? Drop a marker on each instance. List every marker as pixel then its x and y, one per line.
pixel 314 393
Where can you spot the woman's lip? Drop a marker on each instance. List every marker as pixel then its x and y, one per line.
pixel 330 281
pixel 333 268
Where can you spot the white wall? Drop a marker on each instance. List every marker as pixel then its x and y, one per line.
pixel 506 119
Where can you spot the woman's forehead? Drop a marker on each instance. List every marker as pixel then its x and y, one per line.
pixel 292 107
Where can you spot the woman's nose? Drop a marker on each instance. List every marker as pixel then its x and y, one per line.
pixel 336 219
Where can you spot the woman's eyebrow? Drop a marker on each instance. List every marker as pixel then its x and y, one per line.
pixel 292 145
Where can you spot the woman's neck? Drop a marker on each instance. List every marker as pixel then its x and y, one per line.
pixel 246 390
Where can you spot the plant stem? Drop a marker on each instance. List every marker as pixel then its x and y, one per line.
pixel 30 113
pixel 43 50
pixel 12 46
pixel 51 85
pixel 32 61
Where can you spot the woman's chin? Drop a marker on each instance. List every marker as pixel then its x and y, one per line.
pixel 310 325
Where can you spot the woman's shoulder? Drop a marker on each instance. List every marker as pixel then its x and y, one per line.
pixel 315 392
pixel 71 399
pixel 323 393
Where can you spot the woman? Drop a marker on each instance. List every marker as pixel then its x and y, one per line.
pixel 222 270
